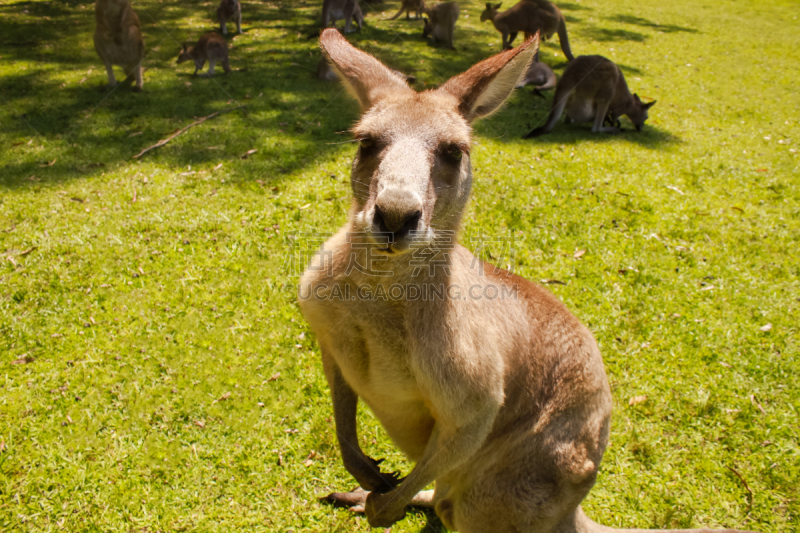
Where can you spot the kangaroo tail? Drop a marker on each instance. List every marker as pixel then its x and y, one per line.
pixel 584 524
pixel 398 13
pixel 563 39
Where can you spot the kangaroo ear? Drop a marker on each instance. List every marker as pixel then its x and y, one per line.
pixel 636 97
pixel 366 78
pixel 650 104
pixel 497 6
pixel 488 6
pixel 482 89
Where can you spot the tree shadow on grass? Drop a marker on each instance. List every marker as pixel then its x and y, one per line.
pixel 609 35
pixel 650 136
pixel 573 7
pixel 639 21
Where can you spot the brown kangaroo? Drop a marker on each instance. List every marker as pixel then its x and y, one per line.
pixel 441 22
pixel 229 10
pixel 529 16
pixel 487 383
pixel 593 89
pixel 211 47
pixel 408 6
pixel 118 40
pixel 349 10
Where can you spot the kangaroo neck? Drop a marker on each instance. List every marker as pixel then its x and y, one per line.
pixel 365 262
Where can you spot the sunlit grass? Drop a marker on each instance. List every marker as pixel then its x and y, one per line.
pixel 136 294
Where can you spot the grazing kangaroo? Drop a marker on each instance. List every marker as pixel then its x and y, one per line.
pixel 229 10
pixel 529 16
pixel 540 75
pixel 211 47
pixel 593 89
pixel 487 383
pixel 349 10
pixel 408 6
pixel 441 22
pixel 118 40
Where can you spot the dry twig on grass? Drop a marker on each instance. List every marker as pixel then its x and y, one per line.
pixel 750 500
pixel 197 122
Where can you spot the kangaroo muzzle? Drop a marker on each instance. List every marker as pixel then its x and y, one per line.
pixel 397 213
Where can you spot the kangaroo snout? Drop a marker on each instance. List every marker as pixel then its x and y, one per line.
pixel 397 213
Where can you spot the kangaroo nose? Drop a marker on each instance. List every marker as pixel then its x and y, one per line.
pixel 397 213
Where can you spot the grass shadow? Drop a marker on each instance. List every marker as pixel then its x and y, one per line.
pixel 650 137
pixel 639 21
pixel 609 35
pixel 573 7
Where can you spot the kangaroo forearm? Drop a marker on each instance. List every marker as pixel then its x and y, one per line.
pixel 447 450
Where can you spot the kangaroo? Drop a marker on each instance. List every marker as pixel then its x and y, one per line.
pixel 326 73
pixel 593 89
pixel 349 10
pixel 441 22
pixel 529 16
pixel 229 10
pixel 118 40
pixel 488 383
pixel 540 75
pixel 408 6
pixel 212 47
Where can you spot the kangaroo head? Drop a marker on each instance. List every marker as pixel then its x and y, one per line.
pixel 638 112
pixel 428 29
pixel 411 176
pixel 184 54
pixel 490 11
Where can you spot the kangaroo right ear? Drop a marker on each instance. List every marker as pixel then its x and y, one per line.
pixel 497 6
pixel 366 78
pixel 482 89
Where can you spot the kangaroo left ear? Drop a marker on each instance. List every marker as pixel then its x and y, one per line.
pixel 366 78
pixel 650 104
pixel 636 97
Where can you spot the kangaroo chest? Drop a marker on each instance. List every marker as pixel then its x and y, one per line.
pixel 369 343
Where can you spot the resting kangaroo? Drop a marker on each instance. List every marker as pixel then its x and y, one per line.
pixel 529 16
pixel 211 47
pixel 488 384
pixel 540 75
pixel 408 6
pixel 118 40
pixel 441 22
pixel 593 89
pixel 349 10
pixel 229 10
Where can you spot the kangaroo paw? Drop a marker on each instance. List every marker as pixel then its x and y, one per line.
pixel 353 500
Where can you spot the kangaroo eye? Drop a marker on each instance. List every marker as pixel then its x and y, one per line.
pixel 454 153
pixel 366 143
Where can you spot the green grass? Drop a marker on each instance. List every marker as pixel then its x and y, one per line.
pixel 142 292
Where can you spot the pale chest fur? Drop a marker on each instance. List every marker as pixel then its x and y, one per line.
pixel 369 343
